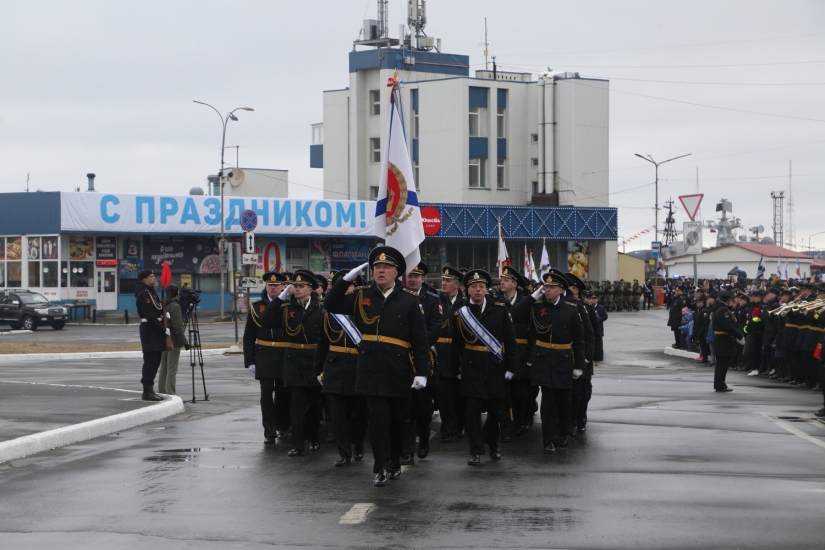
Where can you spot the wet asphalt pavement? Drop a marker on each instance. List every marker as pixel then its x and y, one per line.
pixel 113 334
pixel 665 463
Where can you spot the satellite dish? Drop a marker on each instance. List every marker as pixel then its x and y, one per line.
pixel 235 177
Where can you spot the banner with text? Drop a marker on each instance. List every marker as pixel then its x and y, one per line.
pixel 160 214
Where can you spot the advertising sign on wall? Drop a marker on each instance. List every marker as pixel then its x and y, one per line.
pixel 578 262
pixel 81 247
pixel 106 248
pixel 201 214
pixel 184 254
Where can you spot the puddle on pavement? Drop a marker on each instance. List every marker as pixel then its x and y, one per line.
pixel 180 455
pixel 794 418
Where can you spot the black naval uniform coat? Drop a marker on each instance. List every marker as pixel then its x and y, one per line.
pixel 433 316
pixel 394 349
pixel 443 346
pixel 482 373
pixel 725 331
pixel 586 315
pixel 301 328
pixel 258 340
pixel 551 324
pixel 152 333
pixel 336 358
pixel 522 371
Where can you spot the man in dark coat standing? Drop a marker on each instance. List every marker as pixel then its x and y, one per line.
pixel 484 348
pixel 674 320
pixel 559 349
pixel 263 353
pixel 519 399
pixel 152 333
pixel 582 381
pixel 725 337
pixel 387 371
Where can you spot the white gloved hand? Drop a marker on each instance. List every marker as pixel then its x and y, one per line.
pixel 168 316
pixel 168 332
pixel 459 376
pixel 251 369
pixel 576 373
pixel 420 382
pixel 284 295
pixel 353 273
pixel 508 375
pixel 320 378
pixel 741 341
pixel 538 293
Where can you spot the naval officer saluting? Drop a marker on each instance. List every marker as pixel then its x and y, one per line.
pixel 393 355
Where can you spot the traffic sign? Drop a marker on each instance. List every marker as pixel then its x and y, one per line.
pixel 249 242
pixel 691 204
pixel 692 234
pixel 655 248
pixel 250 259
pixel 249 220
pixel 250 282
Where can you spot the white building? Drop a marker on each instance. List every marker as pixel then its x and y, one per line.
pixel 716 263
pixel 496 138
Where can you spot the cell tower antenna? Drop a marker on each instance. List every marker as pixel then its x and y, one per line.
pixel 791 229
pixel 383 19
pixel 778 218
pixel 486 45
pixel 670 225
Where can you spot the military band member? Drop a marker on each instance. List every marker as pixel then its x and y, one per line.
pixel 450 403
pixel 484 348
pixel 421 402
pixel 559 349
pixel 725 337
pixel 263 351
pixel 297 312
pixel 393 356
pixel 336 363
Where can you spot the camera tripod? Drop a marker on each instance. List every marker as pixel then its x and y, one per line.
pixel 190 325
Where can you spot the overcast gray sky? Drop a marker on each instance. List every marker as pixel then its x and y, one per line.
pixel 107 87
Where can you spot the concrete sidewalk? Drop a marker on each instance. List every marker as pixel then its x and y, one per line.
pixel 36 417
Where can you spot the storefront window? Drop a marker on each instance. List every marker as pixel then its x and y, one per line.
pixel 2 274
pixel 49 277
pixel 14 274
pixel 34 274
pixel 64 274
pixel 80 273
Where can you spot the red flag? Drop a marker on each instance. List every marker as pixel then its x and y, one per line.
pixel 165 275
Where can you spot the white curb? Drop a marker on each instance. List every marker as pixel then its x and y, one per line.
pixel 18 357
pixel 68 435
pixel 681 353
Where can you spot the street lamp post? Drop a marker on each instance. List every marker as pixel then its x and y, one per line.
pixel 656 164
pixel 222 245
pixel 814 235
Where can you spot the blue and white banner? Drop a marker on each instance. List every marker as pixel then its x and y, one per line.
pixel 397 215
pixel 349 327
pixel 481 333
pixel 169 214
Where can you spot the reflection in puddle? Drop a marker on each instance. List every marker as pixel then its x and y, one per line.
pixel 180 455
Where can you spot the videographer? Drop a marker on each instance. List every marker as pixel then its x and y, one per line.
pixel 170 358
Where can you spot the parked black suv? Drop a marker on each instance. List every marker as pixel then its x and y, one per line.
pixel 27 310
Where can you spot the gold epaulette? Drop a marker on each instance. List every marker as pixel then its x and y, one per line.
pixel 571 304
pixel 498 303
pixel 414 293
pixel 286 304
pixel 362 287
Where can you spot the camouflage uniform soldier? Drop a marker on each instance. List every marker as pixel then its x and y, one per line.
pixel 636 293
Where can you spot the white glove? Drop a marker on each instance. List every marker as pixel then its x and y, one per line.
pixel 420 382
pixel 353 273
pixel 538 293
pixel 741 341
pixel 576 373
pixel 320 378
pixel 284 295
pixel 251 369
pixel 508 375
pixel 168 316
pixel 168 332
pixel 459 376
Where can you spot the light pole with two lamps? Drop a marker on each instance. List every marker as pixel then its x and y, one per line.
pixel 222 246
pixel 649 159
